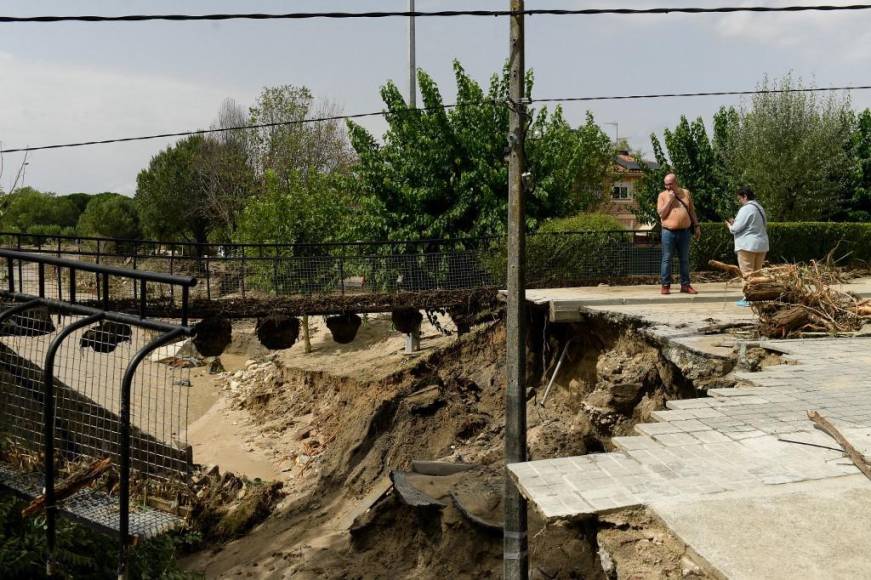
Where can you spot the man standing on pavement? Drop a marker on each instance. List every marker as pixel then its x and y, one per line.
pixel 678 216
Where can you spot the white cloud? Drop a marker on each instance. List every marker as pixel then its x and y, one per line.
pixel 44 103
pixel 841 35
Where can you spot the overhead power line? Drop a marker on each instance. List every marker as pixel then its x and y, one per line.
pixel 437 13
pixel 438 108
pixel 702 94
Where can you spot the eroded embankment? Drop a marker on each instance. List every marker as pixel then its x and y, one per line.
pixel 343 518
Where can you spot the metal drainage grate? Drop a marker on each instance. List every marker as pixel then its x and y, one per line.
pixel 94 509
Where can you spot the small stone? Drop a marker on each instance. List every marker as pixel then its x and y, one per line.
pixel 608 566
pixel 599 399
pixel 626 394
pixel 214 366
pixel 688 567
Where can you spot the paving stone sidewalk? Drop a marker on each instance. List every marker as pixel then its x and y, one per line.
pixel 735 439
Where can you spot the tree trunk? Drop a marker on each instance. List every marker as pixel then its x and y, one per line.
pixel 306 336
pixel 785 321
pixel 760 291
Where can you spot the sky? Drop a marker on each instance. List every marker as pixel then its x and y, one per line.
pixel 71 82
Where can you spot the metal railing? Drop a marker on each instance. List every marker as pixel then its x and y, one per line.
pixel 68 372
pixel 378 267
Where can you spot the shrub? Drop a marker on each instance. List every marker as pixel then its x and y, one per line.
pixel 47 234
pixel 792 242
pixel 81 552
pixel 598 222
pixel 569 251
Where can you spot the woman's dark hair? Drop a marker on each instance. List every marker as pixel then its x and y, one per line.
pixel 745 191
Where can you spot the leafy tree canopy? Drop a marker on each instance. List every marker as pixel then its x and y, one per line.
pixel 27 208
pixel 297 210
pixel 444 173
pixel 110 216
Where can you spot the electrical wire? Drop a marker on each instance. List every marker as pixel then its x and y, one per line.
pixel 437 13
pixel 486 102
pixel 703 94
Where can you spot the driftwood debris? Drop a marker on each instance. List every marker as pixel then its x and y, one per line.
pixel 70 486
pixel 825 426
pixel 723 267
pixel 800 299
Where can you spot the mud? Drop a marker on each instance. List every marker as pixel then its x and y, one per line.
pixel 338 437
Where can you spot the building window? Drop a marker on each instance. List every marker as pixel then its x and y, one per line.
pixel 620 192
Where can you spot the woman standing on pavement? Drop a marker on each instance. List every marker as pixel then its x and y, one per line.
pixel 751 236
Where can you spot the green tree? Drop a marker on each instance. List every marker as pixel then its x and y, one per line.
pixel 795 151
pixel 857 202
pixel 699 164
pixel 297 210
pixel 193 189
pixel 168 196
pixel 801 155
pixel 293 149
pixel 226 181
pixel 110 216
pixel 574 164
pixel 80 199
pixel 443 173
pixel 27 208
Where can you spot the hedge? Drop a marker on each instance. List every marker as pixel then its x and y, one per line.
pixel 570 251
pixel 792 242
pixel 565 258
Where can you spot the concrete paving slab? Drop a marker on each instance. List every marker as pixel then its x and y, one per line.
pixel 733 472
pixel 803 530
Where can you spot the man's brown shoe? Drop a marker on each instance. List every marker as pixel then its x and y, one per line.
pixel 665 290
pixel 688 289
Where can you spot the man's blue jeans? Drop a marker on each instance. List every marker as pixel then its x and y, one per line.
pixel 672 239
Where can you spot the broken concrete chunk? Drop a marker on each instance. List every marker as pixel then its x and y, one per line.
pixel 477 520
pixel 411 495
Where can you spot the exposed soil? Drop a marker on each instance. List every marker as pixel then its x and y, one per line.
pixel 337 422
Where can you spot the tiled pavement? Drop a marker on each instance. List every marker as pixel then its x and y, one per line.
pixel 735 439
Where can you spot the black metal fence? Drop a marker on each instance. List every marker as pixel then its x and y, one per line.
pixel 81 383
pixel 227 270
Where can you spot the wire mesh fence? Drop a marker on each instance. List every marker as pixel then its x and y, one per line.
pixel 88 370
pixel 240 270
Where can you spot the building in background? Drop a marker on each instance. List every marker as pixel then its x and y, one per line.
pixel 619 197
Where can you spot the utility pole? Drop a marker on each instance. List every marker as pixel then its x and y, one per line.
pixel 616 132
pixel 412 58
pixel 515 541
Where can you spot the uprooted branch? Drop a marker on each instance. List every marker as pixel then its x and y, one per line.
pixel 825 426
pixel 797 298
pixel 73 483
